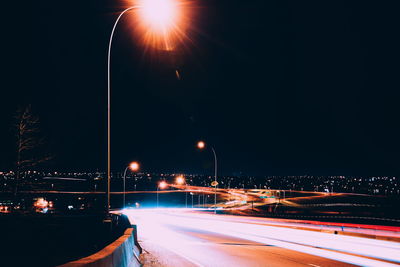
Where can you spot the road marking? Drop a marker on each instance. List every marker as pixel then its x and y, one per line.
pixel 314 265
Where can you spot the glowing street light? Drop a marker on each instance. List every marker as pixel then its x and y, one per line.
pixel 202 145
pixel 159 15
pixel 133 166
pixel 161 185
pixel 180 180
pixel 157 20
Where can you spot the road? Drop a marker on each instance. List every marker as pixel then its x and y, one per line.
pixel 179 237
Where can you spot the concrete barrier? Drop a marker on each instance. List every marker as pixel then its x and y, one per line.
pixel 123 252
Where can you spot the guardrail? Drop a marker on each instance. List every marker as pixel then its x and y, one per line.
pixel 123 252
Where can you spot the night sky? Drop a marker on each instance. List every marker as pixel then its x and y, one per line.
pixel 277 87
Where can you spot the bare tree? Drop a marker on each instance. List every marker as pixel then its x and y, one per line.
pixel 29 142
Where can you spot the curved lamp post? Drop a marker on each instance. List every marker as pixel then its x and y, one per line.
pixel 202 145
pixel 158 15
pixel 133 166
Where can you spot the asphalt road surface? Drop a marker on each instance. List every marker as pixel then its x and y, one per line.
pixel 178 237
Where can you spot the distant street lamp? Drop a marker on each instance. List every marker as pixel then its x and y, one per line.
pixel 202 145
pixel 133 166
pixel 161 185
pixel 158 17
pixel 191 193
pixel 181 180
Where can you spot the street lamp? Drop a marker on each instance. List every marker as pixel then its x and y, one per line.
pixel 158 17
pixel 202 145
pixel 181 180
pixel 191 193
pixel 161 185
pixel 133 166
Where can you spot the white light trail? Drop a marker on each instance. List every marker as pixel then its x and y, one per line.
pixel 315 243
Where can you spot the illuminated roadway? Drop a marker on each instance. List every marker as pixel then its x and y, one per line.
pixel 179 237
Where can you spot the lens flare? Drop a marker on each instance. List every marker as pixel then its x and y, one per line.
pixel 159 15
pixel 161 24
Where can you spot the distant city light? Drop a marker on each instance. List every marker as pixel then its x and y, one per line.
pixel 41 205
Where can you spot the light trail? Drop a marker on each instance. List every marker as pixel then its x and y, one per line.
pixel 93 192
pixel 347 249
